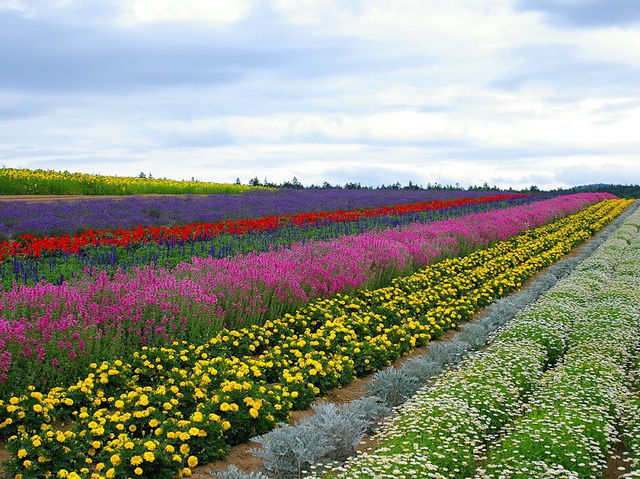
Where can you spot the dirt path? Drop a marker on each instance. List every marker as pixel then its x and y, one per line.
pixel 618 463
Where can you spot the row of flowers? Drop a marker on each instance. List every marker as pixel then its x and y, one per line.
pixel 545 398
pixel 73 214
pixel 48 332
pixel 22 181
pixel 57 267
pixel 165 410
pixel 30 245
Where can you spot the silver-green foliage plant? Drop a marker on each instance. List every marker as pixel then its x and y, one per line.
pixel 289 450
pixel 331 434
pixel 393 386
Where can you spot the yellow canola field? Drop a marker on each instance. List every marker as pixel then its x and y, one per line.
pixel 21 181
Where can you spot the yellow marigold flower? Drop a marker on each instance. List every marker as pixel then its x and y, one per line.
pixel 37 408
pixel 111 472
pixel 115 459
pixel 22 453
pixel 184 448
pixel 148 456
pixel 137 471
pixel 186 472
pixel 192 461
pixel 253 413
pixel 136 460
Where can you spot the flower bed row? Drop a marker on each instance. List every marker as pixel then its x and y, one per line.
pixel 30 245
pixel 184 405
pixel 79 214
pixel 48 332
pixel 543 400
pixel 22 181
pixel 56 267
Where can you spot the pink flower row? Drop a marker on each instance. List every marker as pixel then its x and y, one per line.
pixel 46 325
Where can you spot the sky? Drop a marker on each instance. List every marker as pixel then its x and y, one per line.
pixel 508 92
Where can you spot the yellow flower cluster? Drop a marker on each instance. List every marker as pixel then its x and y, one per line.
pixel 22 181
pixel 164 409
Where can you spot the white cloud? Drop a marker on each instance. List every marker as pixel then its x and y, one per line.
pixel 460 91
pixel 207 11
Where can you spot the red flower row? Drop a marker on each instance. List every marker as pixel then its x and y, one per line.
pixel 33 246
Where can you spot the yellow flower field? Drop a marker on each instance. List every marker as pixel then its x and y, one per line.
pixel 22 181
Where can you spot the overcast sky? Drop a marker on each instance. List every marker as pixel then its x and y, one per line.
pixel 511 92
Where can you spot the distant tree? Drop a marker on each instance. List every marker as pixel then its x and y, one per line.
pixel 293 184
pixel 412 186
pixel 254 181
pixel 237 181
pixel 142 175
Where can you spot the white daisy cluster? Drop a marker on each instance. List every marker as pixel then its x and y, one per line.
pixel 546 396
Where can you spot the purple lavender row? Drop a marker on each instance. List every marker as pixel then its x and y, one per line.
pixel 71 216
